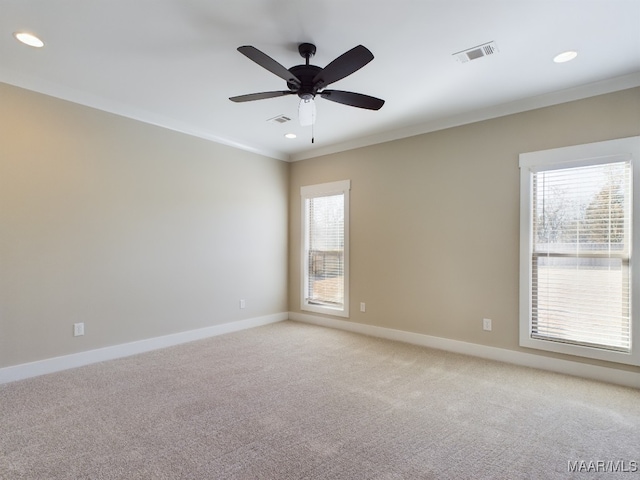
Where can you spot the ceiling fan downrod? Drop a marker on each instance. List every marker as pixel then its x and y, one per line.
pixel 307 50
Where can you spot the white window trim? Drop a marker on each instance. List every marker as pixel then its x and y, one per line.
pixel 580 155
pixel 321 190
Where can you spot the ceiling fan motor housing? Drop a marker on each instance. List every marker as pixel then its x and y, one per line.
pixel 305 73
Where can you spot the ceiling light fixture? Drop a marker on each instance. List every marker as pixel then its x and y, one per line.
pixel 307 111
pixel 29 39
pixel 565 56
pixel 290 135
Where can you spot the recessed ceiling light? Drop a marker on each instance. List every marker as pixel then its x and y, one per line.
pixel 29 39
pixel 565 56
pixel 290 135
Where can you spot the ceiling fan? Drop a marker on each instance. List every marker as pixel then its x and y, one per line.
pixel 308 80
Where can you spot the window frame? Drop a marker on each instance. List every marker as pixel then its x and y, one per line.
pixel 314 191
pixel 624 149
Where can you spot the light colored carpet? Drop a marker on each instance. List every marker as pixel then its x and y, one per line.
pixel 295 401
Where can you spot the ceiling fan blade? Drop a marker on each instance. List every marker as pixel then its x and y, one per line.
pixel 344 65
pixel 265 61
pixel 353 99
pixel 260 96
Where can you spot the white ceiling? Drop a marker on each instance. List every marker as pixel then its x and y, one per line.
pixel 174 62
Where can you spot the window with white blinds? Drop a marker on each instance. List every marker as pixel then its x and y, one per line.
pixel 580 258
pixel 325 248
pixel 577 237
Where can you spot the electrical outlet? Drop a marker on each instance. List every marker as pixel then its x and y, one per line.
pixel 78 329
pixel 243 304
pixel 363 307
pixel 486 324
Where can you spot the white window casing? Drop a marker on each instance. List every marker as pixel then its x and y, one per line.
pixel 579 243
pixel 325 248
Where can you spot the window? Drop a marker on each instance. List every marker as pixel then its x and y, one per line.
pixel 325 248
pixel 577 263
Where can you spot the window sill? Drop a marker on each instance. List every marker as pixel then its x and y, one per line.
pixel 335 311
pixel 581 351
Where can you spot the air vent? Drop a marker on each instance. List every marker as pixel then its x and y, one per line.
pixel 279 119
pixel 477 52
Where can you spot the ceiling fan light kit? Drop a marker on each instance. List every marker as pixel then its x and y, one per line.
pixel 308 80
pixel 307 112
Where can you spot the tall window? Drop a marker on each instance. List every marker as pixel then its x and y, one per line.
pixel 576 254
pixel 325 262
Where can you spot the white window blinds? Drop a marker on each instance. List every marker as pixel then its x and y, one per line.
pixel 325 252
pixel 581 239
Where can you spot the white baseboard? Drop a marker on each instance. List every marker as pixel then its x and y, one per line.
pixel 56 364
pixel 593 372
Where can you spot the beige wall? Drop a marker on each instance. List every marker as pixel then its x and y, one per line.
pixel 135 230
pixel 435 218
pixel 139 231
